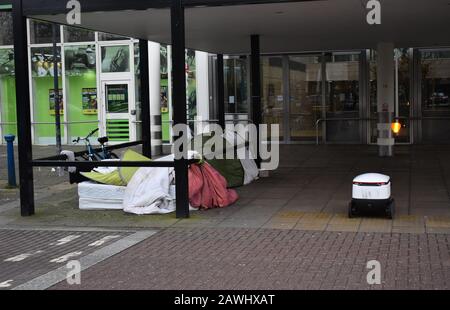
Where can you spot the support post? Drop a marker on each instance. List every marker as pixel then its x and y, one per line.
pixel 154 52
pixel 145 98
pixel 202 90
pixel 11 166
pixel 256 90
pixel 57 95
pixel 220 92
pixel 23 110
pixel 386 100
pixel 179 108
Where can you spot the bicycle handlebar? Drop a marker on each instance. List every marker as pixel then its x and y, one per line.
pixel 92 132
pixel 87 137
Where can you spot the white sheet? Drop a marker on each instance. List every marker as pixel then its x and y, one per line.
pixel 148 191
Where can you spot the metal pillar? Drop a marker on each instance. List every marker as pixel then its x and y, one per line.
pixel 256 89
pixel 179 105
pixel 57 95
pixel 220 92
pixel 385 98
pixel 23 110
pixel 145 98
pixel 202 90
pixel 11 166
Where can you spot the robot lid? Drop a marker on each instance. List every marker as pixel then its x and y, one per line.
pixel 371 178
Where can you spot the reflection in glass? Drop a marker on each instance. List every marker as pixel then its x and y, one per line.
pixel 305 100
pixel 272 92
pixel 81 89
pixel 43 93
pixel 435 70
pixel 342 98
pixel 73 34
pixel 236 97
pixel 42 32
pixel 102 36
pixel 7 92
pixel 6 31
pixel 402 63
pixel 137 89
pixel 115 58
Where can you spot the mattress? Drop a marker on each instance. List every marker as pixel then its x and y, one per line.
pixel 94 196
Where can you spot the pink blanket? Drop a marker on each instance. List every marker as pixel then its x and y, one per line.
pixel 208 188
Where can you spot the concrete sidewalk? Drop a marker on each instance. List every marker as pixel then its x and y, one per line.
pixel 287 231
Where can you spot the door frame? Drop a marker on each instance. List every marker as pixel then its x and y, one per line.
pixel 117 78
pixel 131 117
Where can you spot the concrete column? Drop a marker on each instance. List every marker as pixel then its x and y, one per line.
pixel 155 97
pixel 385 98
pixel 202 88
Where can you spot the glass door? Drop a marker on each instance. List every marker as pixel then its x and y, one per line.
pixel 305 97
pixel 117 111
pixel 273 88
pixel 342 98
pixel 435 93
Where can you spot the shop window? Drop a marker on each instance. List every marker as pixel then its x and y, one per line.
pixel 165 115
pixel 102 36
pixel 42 32
pixel 191 86
pixel 73 34
pixel 115 58
pixel 7 93
pixel 137 89
pixel 342 98
pixel 435 72
pixel 305 98
pixel 6 31
pixel 42 74
pixel 236 87
pixel 81 90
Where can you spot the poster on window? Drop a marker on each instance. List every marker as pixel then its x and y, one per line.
pixel 89 101
pixel 52 101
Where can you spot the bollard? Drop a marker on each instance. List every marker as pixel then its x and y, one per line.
pixel 11 167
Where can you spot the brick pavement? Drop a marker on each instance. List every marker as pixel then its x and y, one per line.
pixel 27 254
pixel 233 258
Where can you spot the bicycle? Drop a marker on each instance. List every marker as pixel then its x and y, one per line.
pixel 91 154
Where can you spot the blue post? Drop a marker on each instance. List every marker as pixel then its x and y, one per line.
pixel 11 167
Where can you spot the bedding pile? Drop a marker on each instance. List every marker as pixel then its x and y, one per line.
pixel 150 190
pixel 208 188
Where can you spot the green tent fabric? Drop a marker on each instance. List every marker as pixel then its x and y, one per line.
pixel 112 178
pixel 126 173
pixel 231 169
pixel 121 176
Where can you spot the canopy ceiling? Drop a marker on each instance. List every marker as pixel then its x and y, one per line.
pixel 283 26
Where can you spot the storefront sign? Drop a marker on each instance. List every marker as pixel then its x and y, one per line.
pixel 89 100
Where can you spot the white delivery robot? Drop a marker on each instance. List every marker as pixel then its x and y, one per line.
pixel 371 193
